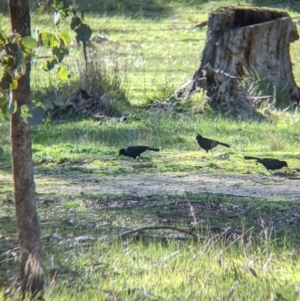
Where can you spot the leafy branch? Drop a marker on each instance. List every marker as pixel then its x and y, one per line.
pixel 16 51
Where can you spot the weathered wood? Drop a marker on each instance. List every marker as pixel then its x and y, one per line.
pixel 243 41
pixel 84 102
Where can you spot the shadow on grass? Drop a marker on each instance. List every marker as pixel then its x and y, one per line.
pixel 110 133
pixel 71 223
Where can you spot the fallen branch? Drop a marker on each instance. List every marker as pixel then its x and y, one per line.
pixel 258 182
pixel 267 180
pixel 84 102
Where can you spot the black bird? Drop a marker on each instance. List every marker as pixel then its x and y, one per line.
pixel 135 151
pixel 269 163
pixel 209 144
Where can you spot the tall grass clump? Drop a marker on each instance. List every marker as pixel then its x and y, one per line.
pixel 266 96
pixel 98 75
pixel 104 76
pixel 162 96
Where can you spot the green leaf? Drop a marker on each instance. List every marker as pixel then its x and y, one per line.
pixel 36 103
pixel 9 61
pixel 5 81
pixel 65 37
pixel 14 84
pixel 2 36
pixel 2 39
pixel 41 9
pixel 1 151
pixel 66 12
pixel 63 73
pixel 59 53
pixel 83 32
pixel 24 113
pixel 49 64
pixel 49 39
pixel 29 42
pixel 33 114
pixel 75 22
pixel 11 48
pixel 4 106
pixel 58 5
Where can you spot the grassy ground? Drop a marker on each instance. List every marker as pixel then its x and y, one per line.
pixel 229 249
pixel 233 248
pixel 90 145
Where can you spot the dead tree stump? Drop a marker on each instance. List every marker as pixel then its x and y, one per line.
pixel 240 42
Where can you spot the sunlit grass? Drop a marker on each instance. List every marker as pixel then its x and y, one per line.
pixel 153 54
pixel 183 271
pixel 86 144
pixel 84 259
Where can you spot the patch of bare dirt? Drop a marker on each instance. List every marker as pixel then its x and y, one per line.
pixel 269 187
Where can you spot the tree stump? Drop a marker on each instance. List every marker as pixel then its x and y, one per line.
pixel 246 42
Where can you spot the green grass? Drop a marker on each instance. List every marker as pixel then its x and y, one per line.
pixel 152 47
pixel 251 260
pixel 152 51
pixel 175 271
pixel 88 144
pixel 81 146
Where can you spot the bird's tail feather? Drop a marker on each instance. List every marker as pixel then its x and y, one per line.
pixel 224 144
pixel 251 158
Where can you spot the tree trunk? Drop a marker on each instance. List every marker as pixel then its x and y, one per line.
pixel 31 272
pixel 246 41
